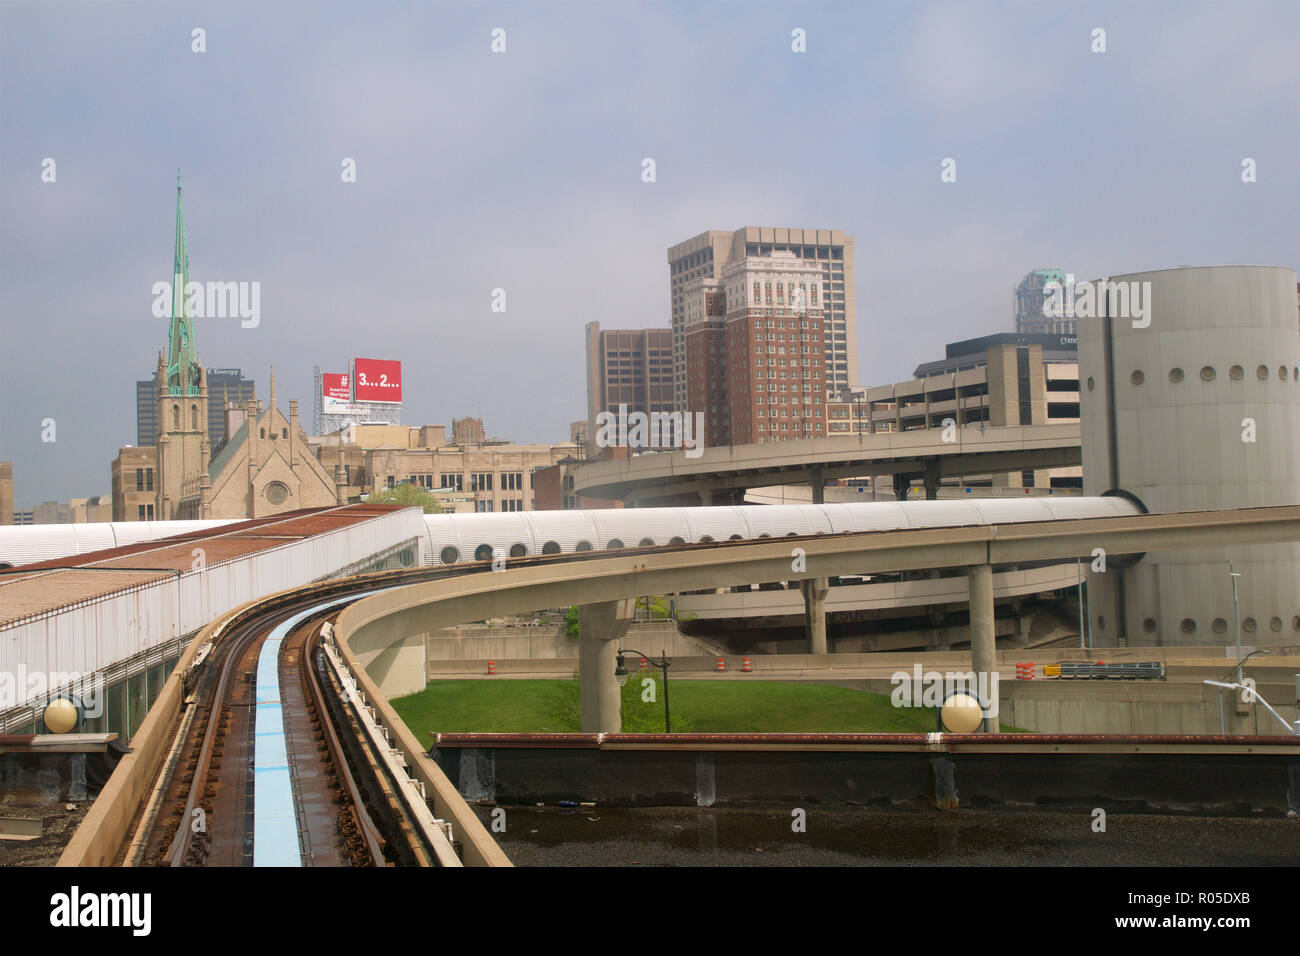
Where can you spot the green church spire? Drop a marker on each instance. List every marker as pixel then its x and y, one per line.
pixel 182 350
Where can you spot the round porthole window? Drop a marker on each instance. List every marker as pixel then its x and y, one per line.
pixel 1101 622
pixel 1249 626
pixel 1092 383
pixel 483 552
pixel 1237 373
pixel 1188 626
pixel 614 545
pixel 1262 373
pixel 449 555
pixel 1149 625
pixel 551 547
pixel 1218 625
pixel 583 546
pixel 675 540
pixel 1137 378
pixel 277 492
pixel 1175 375
pixel 1207 373
pixel 646 543
pixel 1281 372
pixel 1275 624
pixel 518 551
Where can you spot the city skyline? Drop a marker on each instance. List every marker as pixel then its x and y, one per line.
pixel 478 171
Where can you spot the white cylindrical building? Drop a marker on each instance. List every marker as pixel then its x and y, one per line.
pixel 1190 400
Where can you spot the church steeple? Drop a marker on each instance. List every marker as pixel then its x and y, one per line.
pixel 182 350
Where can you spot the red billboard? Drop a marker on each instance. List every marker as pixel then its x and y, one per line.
pixel 336 391
pixel 379 380
pixel 335 385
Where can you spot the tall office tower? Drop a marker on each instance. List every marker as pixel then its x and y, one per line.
pixel 776 332
pixel 632 368
pixel 224 384
pixel 706 255
pixel 1031 316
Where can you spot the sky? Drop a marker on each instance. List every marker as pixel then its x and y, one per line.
pixel 522 170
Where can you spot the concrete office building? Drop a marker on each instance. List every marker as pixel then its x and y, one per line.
pixel 51 512
pixel 706 255
pixel 628 367
pixel 1002 379
pixel 1030 316
pixel 1197 411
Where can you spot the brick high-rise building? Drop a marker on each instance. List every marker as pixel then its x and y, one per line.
pixel 776 347
pixel 706 255
pixel 706 358
pixel 755 350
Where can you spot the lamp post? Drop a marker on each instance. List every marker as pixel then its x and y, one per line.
pixel 1250 695
pixel 1078 563
pixel 1236 613
pixel 663 664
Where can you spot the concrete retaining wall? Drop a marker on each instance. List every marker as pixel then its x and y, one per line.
pixel 548 642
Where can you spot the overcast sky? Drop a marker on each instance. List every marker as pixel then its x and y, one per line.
pixel 522 170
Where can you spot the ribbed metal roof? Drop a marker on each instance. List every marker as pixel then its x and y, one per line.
pixel 459 537
pixel 45 542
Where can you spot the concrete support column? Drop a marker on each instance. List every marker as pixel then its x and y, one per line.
pixel 931 479
pixel 814 603
pixel 902 483
pixel 983 635
pixel 706 495
pixel 600 628
pixel 817 482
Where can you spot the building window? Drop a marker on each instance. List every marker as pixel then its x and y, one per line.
pixel 141 513
pixel 139 479
pixel 148 479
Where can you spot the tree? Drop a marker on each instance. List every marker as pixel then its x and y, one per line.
pixel 407 494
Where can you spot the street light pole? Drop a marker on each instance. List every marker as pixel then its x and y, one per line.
pixel 1079 564
pixel 1236 613
pixel 663 664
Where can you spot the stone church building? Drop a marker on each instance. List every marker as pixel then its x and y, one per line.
pixel 263 467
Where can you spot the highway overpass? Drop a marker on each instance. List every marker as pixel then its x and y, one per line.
pixel 723 474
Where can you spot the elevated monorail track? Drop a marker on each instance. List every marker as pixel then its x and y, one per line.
pixel 378 751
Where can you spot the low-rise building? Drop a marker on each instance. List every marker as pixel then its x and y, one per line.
pixel 493 475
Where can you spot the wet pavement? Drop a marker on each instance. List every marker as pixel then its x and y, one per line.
pixel 856 836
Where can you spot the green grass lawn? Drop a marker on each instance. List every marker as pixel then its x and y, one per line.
pixel 698 706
